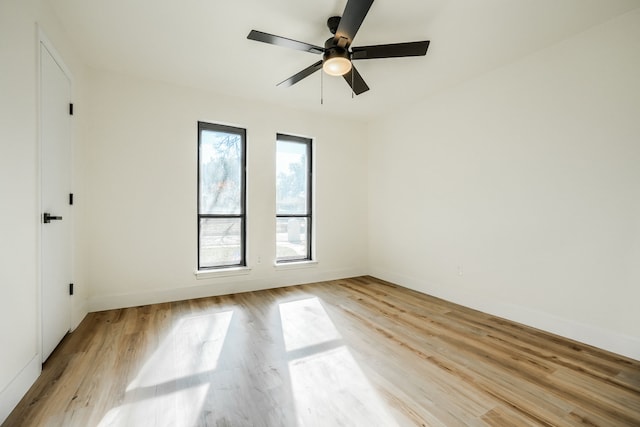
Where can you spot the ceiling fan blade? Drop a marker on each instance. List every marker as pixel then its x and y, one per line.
pixel 301 75
pixel 355 80
pixel 390 50
pixel 283 42
pixel 352 17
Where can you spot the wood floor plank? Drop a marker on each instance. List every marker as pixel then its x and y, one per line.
pixel 481 377
pixel 351 352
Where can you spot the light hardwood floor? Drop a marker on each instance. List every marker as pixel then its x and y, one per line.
pixel 353 352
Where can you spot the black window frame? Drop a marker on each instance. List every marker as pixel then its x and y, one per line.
pixel 206 126
pixel 309 214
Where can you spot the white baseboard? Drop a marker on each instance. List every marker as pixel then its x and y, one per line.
pixel 18 387
pixel 605 339
pixel 215 287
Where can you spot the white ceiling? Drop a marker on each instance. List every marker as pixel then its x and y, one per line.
pixel 203 44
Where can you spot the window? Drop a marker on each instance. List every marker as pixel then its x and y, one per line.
pixel 221 196
pixel 293 198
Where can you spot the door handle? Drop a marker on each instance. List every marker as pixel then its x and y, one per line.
pixel 47 218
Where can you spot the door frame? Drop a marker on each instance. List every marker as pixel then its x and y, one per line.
pixel 44 41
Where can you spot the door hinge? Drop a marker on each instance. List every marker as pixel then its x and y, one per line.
pixel 71 109
pixel 70 288
pixel 71 198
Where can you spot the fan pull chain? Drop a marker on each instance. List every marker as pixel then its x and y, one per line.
pixel 321 87
pixel 352 88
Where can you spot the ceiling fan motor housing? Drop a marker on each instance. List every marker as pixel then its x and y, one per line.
pixel 332 49
pixel 335 52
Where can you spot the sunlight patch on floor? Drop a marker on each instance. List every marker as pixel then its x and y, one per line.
pixel 193 347
pixel 179 408
pixel 171 387
pixel 328 386
pixel 330 389
pixel 305 323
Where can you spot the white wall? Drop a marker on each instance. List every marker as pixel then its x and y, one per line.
pixel 527 181
pixel 142 160
pixel 19 198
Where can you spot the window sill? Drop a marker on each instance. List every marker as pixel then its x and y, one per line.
pixel 295 265
pixel 222 272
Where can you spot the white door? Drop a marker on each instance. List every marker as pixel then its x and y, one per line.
pixel 55 137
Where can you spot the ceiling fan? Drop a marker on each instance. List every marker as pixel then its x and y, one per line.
pixel 337 53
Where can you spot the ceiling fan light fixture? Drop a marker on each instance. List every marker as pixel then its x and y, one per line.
pixel 336 62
